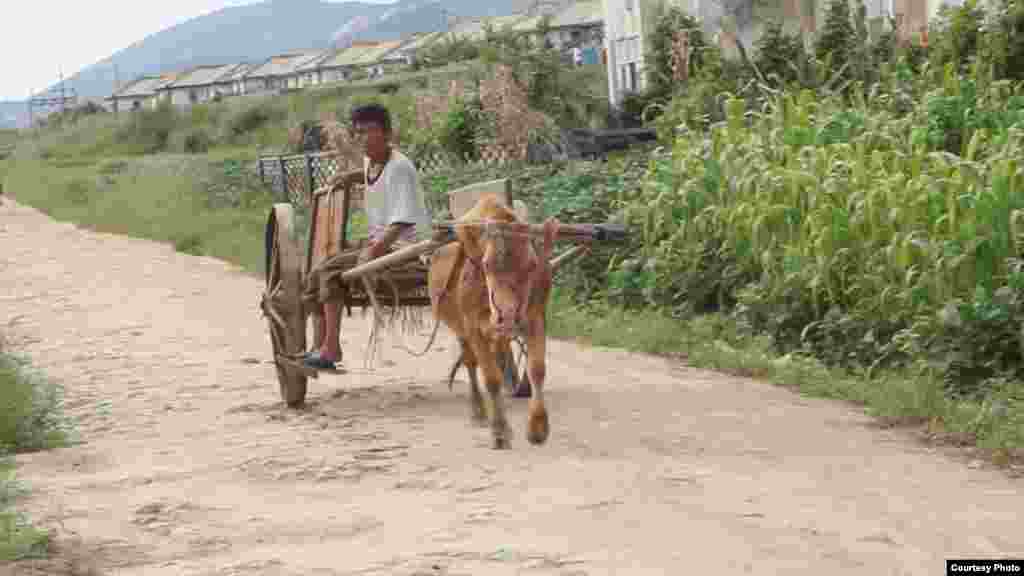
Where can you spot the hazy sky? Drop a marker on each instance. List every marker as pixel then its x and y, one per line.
pixel 40 37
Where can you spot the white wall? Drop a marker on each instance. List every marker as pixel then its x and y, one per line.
pixel 624 42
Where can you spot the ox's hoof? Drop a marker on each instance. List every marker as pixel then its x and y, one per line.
pixel 501 440
pixel 537 427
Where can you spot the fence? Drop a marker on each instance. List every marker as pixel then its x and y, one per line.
pixel 294 177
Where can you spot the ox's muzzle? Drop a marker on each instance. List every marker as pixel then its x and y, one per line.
pixel 508 315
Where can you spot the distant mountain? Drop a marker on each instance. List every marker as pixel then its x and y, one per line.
pixel 257 31
pixel 13 114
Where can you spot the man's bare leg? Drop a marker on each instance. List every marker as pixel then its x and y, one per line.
pixel 330 346
pixel 329 351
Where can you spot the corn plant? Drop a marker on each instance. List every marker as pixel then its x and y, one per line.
pixel 848 231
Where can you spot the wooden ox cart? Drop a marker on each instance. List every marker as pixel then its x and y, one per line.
pixel 288 267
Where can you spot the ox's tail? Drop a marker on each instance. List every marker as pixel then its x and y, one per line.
pixel 455 368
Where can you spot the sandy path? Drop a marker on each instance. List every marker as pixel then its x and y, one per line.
pixel 191 466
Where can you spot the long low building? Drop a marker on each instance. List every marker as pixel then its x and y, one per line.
pixel 571 25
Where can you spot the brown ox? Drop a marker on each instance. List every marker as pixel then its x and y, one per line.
pixel 500 289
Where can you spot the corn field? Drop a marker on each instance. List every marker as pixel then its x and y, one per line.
pixel 846 230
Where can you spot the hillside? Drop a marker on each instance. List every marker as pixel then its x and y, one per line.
pixel 12 114
pixel 257 31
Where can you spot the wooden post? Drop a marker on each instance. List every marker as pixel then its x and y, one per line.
pixel 284 178
pixel 259 168
pixel 309 176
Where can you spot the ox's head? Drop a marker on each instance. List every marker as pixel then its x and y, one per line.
pixel 501 246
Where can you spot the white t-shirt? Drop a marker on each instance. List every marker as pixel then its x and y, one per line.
pixel 396 197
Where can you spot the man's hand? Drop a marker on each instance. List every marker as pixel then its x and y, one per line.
pixel 347 179
pixel 380 246
pixel 372 251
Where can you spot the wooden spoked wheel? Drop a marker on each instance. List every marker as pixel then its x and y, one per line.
pixel 282 303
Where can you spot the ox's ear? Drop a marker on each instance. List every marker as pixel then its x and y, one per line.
pixel 551 226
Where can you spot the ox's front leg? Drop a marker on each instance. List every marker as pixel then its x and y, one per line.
pixel 536 341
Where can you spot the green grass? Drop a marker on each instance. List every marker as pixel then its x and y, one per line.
pixel 18 538
pixel 202 205
pixel 33 420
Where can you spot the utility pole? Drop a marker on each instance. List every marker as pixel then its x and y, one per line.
pixel 49 99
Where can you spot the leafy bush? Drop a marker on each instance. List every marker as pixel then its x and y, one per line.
pixel 1004 39
pixel 32 407
pixel 779 54
pixel 837 43
pixel 958 35
pixel 461 126
pixel 192 141
pixel 660 40
pixel 148 130
pixel 251 117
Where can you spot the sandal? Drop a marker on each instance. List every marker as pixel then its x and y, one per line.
pixel 314 360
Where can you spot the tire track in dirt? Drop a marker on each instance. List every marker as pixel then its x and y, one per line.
pixel 190 465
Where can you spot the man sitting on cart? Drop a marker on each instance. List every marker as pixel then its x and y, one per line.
pixel 395 210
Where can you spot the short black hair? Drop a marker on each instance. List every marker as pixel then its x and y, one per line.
pixel 372 114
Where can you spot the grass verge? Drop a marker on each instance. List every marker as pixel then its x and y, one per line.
pixel 33 420
pixel 202 205
pixel 993 427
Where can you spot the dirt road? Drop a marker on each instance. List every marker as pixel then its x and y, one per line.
pixel 191 466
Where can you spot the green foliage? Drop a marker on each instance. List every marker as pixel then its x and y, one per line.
pixel 207 205
pixel 837 43
pixel 32 407
pixel 779 54
pixel 1004 39
pixel 841 231
pixel 33 420
pixel 955 114
pixel 250 118
pixel 460 128
pixel 447 50
pixel 958 33
pixel 18 539
pixel 148 130
pixel 659 41
pixel 572 97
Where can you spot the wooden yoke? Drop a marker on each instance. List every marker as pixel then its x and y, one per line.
pixel 462 200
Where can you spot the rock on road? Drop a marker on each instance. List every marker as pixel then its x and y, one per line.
pixel 189 464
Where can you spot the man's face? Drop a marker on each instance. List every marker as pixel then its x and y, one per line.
pixel 373 137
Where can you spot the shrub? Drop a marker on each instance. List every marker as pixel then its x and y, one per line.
pixel 191 141
pixel 148 130
pixel 1003 46
pixel 957 35
pixel 779 54
pixel 251 117
pixel 660 40
pixel 461 126
pixel 32 407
